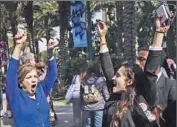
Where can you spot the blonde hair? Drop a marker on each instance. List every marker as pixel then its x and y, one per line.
pixel 24 70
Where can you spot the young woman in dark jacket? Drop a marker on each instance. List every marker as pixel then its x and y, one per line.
pixel 124 108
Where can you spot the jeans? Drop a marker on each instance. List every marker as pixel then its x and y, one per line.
pixel 92 118
pixel 76 112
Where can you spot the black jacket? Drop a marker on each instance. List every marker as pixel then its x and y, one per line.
pixel 133 118
pixel 162 91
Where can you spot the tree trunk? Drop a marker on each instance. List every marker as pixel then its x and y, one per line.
pixel 63 44
pixel 119 10
pixel 28 13
pixel 171 37
pixel 129 29
pixel 13 23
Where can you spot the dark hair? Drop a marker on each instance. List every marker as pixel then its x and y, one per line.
pixel 127 97
pixel 94 69
pixel 126 103
pixel 145 48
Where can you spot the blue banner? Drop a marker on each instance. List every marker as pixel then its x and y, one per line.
pixel 78 24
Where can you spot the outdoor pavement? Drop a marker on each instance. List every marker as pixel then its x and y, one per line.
pixel 63 111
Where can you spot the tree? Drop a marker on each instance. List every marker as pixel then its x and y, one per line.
pixel 172 37
pixel 64 23
pixel 12 7
pixel 145 26
pixel 28 14
pixel 119 43
pixel 129 31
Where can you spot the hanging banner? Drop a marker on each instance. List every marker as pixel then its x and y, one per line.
pixel 3 53
pixel 78 24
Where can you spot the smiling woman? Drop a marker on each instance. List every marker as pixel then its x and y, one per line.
pixel 27 96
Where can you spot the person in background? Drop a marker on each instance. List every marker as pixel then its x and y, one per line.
pixel 161 91
pixel 5 106
pixel 76 98
pixel 142 58
pixel 27 57
pixel 94 94
pixel 27 96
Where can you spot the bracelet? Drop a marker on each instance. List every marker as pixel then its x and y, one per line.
pixel 102 44
pixel 159 32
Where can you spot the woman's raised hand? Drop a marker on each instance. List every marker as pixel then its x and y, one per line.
pixel 159 27
pixel 21 38
pixel 102 29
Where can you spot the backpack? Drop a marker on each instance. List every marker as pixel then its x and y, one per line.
pixel 90 94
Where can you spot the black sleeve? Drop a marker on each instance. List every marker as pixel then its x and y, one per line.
pixel 154 60
pixel 172 92
pixel 169 115
pixel 107 67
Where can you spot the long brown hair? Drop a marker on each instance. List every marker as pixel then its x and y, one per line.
pixel 127 98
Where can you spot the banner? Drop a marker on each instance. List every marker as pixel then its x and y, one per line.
pixel 3 54
pixel 78 24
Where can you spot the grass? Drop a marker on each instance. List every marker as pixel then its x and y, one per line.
pixel 62 101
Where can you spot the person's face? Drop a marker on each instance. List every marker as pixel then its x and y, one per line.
pixel 29 84
pixel 82 75
pixel 142 57
pixel 141 61
pixel 119 80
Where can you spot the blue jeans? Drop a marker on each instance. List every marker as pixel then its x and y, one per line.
pixel 92 118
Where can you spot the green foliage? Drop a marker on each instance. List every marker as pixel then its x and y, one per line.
pixel 72 67
pixel 45 9
pixel 49 9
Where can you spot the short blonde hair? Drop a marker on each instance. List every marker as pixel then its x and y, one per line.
pixel 24 70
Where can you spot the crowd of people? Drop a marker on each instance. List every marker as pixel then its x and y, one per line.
pixel 141 94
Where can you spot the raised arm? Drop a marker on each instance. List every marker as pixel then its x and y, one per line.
pixel 105 58
pixel 12 76
pixel 51 75
pixel 153 64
